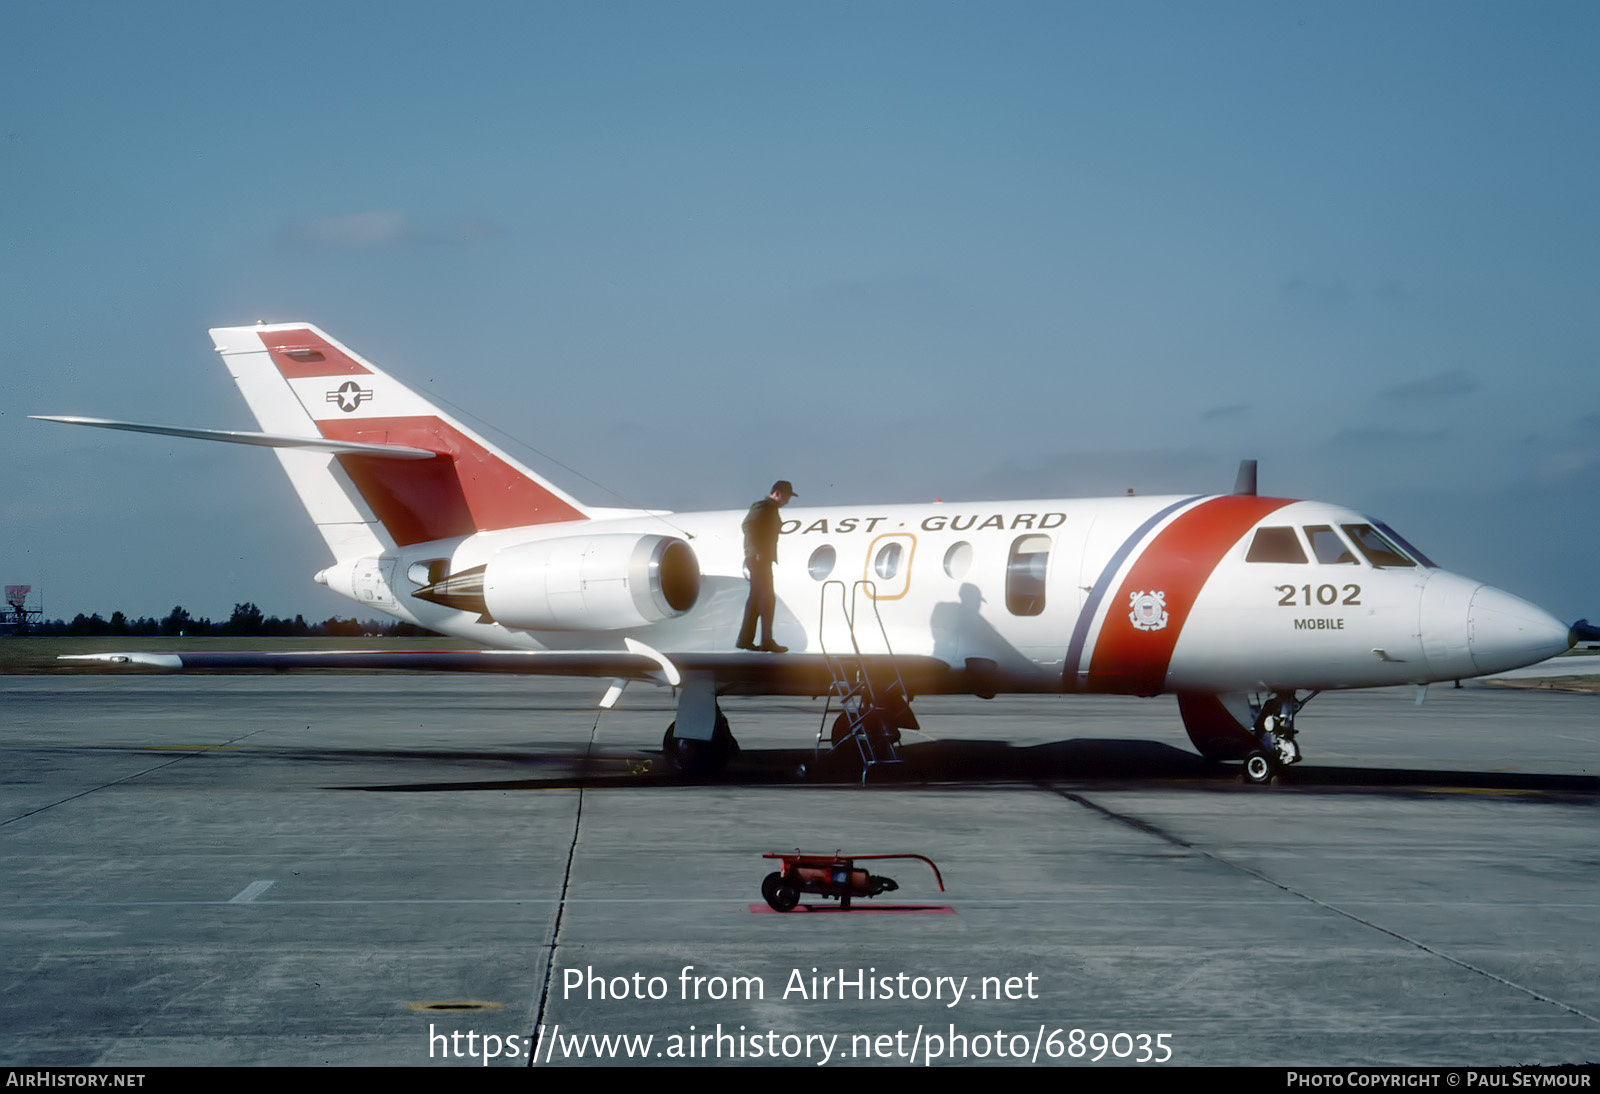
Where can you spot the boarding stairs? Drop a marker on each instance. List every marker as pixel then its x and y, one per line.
pixel 867 690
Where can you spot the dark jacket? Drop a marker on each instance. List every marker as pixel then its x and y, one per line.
pixel 761 531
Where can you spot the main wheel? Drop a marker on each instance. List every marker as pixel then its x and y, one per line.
pixel 841 730
pixel 875 723
pixel 781 896
pixel 700 758
pixel 1259 768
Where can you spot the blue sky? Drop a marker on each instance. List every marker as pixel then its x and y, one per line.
pixel 890 251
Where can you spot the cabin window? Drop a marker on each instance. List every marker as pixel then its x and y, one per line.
pixel 1379 551
pixel 887 564
pixel 1275 545
pixel 820 565
pixel 1025 573
pixel 1327 546
pixel 958 560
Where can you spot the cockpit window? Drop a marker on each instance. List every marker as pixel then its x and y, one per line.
pixel 1275 545
pixel 1406 544
pixel 1327 546
pixel 1379 551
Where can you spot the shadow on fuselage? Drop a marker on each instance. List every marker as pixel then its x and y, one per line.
pixel 961 632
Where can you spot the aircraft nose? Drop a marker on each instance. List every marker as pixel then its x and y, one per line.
pixel 1506 632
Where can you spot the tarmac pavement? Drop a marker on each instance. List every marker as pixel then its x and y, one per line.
pixel 363 869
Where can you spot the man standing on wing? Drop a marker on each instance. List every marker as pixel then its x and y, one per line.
pixel 760 552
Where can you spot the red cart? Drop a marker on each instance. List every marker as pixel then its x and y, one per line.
pixel 834 876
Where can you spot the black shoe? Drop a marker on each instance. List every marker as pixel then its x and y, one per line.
pixel 770 646
pixel 751 646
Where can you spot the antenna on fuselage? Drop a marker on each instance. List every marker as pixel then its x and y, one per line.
pixel 1245 483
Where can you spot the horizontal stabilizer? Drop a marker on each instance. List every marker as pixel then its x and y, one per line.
pixel 263 440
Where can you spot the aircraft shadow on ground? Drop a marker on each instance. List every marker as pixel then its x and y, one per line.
pixel 962 764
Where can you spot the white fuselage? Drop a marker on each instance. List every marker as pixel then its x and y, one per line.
pixel 1138 595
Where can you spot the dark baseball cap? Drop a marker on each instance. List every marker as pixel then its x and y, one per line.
pixel 783 486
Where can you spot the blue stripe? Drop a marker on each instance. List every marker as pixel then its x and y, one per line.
pixel 1080 633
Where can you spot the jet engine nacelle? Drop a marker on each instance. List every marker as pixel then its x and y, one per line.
pixel 604 582
pixel 600 582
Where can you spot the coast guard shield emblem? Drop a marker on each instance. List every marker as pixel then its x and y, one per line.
pixel 1149 610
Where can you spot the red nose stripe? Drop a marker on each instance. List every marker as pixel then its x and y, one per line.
pixel 1176 565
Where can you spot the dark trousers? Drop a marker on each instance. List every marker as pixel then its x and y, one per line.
pixel 761 603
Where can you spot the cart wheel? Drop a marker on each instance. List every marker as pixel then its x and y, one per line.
pixel 781 896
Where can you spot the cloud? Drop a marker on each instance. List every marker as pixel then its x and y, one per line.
pixel 1336 292
pixel 472 229
pixel 1230 413
pixel 377 228
pixel 1106 474
pixel 1444 385
pixel 1367 438
pixel 1567 464
pixel 1322 291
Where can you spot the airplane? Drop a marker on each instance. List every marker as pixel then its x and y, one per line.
pixel 1235 603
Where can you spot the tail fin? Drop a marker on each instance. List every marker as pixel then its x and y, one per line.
pixel 301 383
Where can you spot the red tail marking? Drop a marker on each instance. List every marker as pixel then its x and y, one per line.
pixel 418 502
pixel 300 353
pixel 1178 562
pixel 470 490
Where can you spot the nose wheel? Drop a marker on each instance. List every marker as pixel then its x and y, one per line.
pixel 1259 769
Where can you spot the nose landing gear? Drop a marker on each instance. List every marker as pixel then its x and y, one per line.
pixel 1275 736
pixel 1240 726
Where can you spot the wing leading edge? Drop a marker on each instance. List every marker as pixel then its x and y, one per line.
pixel 734 673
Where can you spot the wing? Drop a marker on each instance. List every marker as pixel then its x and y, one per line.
pixel 606 663
pixel 733 672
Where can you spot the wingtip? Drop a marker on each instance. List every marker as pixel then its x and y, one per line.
pixel 154 660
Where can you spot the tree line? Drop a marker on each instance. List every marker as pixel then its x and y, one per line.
pixel 246 620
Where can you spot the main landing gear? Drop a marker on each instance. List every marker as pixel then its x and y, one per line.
pixel 1234 727
pixel 700 758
